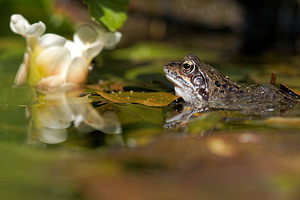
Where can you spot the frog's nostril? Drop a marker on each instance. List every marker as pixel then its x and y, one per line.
pixel 166 69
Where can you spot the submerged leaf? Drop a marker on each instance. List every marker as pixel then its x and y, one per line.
pixel 148 99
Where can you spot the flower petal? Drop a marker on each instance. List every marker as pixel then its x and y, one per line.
pixel 36 29
pixel 18 24
pixel 111 39
pixel 78 71
pixel 33 33
pixel 51 40
pixel 21 76
pixel 76 51
pixel 51 83
pixel 22 73
pixel 85 36
pixel 87 39
pixel 93 51
pixel 53 61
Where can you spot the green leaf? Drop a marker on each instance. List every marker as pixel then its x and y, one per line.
pixel 110 13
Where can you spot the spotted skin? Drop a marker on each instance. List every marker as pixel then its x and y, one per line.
pixel 202 85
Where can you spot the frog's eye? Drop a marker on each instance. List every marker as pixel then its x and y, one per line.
pixel 198 80
pixel 188 67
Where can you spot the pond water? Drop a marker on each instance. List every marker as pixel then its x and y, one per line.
pixel 81 146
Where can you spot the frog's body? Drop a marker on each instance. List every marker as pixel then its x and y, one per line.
pixel 203 86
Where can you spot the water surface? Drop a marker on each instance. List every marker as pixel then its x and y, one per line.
pixel 72 146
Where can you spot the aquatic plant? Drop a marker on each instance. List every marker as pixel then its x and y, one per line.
pixel 52 62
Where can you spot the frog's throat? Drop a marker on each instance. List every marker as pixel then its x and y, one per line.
pixel 184 89
pixel 179 82
pixel 187 95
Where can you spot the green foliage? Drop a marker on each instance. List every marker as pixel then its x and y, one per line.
pixel 33 11
pixel 110 13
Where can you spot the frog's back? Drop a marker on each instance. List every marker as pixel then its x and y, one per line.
pixel 259 98
pixel 202 85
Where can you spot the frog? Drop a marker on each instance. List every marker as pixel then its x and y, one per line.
pixel 203 87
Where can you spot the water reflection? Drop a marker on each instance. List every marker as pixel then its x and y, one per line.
pixel 180 116
pixel 194 122
pixel 55 112
pixel 205 120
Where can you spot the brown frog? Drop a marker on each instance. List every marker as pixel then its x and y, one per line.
pixel 202 86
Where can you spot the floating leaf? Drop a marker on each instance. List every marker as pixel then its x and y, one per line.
pixel 148 99
pixel 110 13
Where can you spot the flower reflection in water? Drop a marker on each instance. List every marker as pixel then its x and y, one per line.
pixel 56 112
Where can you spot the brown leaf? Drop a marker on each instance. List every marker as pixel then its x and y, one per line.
pixel 148 98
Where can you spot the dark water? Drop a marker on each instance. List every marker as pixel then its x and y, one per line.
pixel 62 146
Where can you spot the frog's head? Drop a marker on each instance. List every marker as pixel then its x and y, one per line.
pixel 190 78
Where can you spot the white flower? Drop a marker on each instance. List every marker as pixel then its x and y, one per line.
pixel 52 62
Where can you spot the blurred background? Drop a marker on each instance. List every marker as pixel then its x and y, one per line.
pixel 235 36
pixel 255 26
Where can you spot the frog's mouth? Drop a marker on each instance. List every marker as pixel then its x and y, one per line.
pixel 175 79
